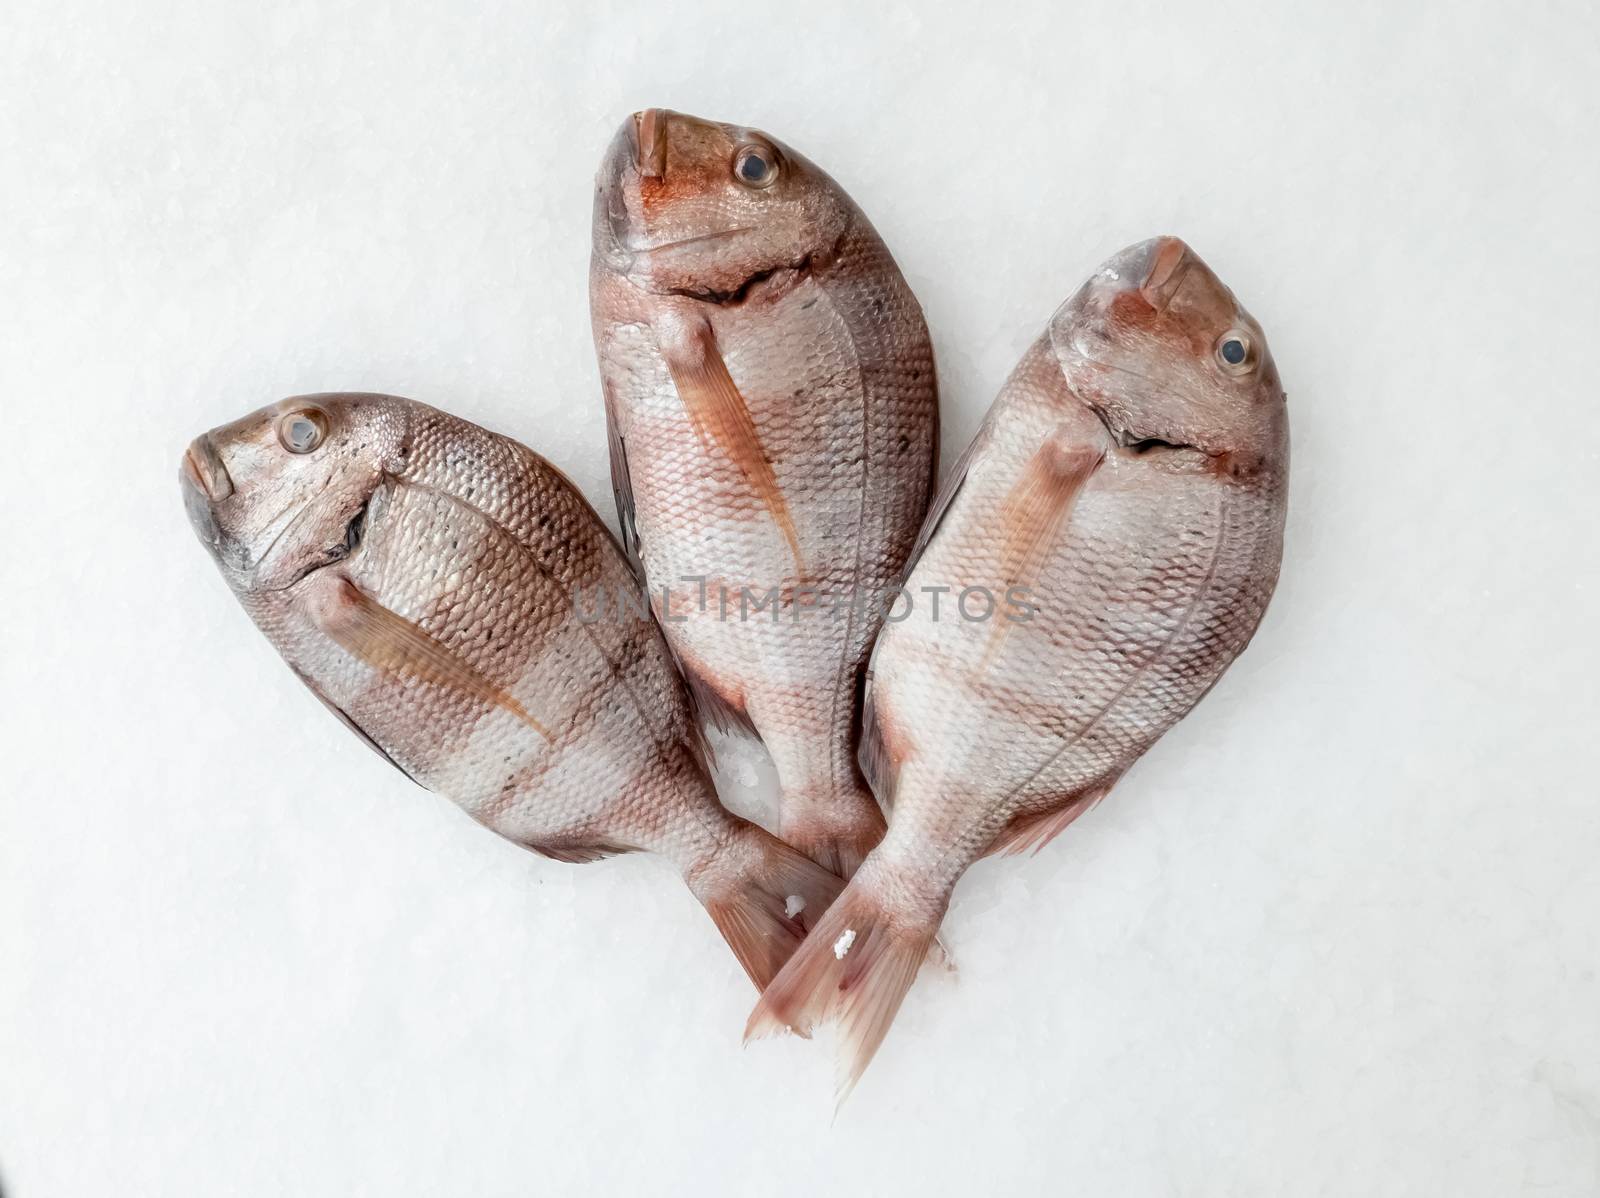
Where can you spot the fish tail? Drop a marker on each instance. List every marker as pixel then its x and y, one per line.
pixel 836 828
pixel 763 896
pixel 854 969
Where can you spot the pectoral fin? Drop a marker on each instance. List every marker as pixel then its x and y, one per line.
pixel 721 420
pixel 394 645
pixel 1037 507
pixel 1035 513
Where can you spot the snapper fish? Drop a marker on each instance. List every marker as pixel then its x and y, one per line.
pixel 1131 476
pixel 773 414
pixel 423 577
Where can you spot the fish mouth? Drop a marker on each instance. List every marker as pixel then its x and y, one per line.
pixel 1175 283
pixel 202 466
pixel 618 175
pixel 204 481
pixel 1150 274
pixel 201 518
pixel 1167 261
pixel 1154 269
pixel 649 129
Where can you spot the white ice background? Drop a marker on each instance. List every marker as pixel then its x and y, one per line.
pixel 1337 935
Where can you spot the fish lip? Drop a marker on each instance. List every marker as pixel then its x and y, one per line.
pixel 198 507
pixel 1169 260
pixel 648 129
pixel 203 466
pixel 1154 270
pixel 618 173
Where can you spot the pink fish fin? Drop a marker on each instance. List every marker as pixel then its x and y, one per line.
pixel 722 421
pixel 854 970
pixel 622 484
pixel 763 896
pixel 579 854
pixel 391 644
pixel 711 706
pixel 1033 516
pixel 1030 833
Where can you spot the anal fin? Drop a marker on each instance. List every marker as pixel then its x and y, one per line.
pixel 578 854
pixel 711 708
pixel 1030 833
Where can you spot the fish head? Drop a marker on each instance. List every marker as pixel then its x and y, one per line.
pixel 1160 349
pixel 286 490
pixel 684 205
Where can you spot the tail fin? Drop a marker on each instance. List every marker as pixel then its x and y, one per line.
pixel 836 830
pixel 854 969
pixel 763 896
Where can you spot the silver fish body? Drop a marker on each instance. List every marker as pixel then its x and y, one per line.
pixel 1130 483
pixel 772 406
pixel 426 579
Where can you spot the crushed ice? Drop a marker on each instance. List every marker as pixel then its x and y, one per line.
pixel 794 905
pixel 842 945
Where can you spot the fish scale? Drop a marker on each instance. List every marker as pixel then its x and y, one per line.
pixel 1133 478
pixel 771 399
pixel 426 590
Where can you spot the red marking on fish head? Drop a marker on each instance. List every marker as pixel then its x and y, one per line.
pixel 1159 347
pixel 697 206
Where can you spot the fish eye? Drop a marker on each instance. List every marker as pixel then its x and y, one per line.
pixel 755 166
pixel 1233 352
pixel 302 430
